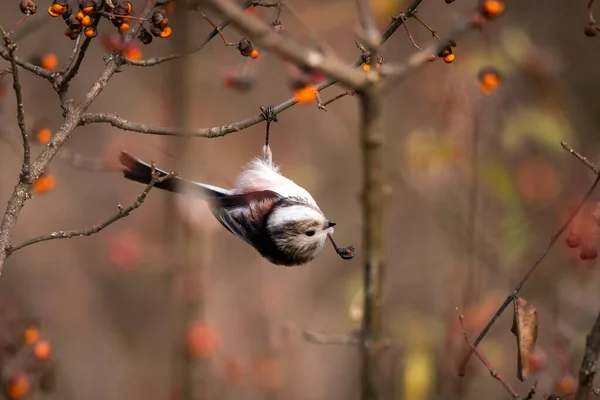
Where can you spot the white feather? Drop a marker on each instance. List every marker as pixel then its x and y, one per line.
pixel 283 215
pixel 263 175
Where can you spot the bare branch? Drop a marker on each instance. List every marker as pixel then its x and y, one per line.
pixel 44 73
pixel 223 130
pixel 323 105
pixel 523 280
pixel 587 371
pixel 22 190
pixel 73 69
pixel 122 213
pixel 159 60
pixel 367 21
pixel 581 158
pixel 414 62
pixel 292 50
pixel 26 166
pixel 485 361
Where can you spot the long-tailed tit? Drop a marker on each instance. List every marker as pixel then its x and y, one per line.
pixel 273 214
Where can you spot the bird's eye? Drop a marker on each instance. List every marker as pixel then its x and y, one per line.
pixel 310 233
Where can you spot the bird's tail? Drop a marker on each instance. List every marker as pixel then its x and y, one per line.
pixel 139 171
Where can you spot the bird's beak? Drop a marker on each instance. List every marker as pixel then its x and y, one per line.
pixel 329 224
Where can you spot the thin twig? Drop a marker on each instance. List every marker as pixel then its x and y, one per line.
pixel 216 28
pixel 412 40
pixel 581 158
pixel 531 392
pixel 122 213
pixel 42 72
pixel 369 27
pixel 223 130
pixel 290 49
pixel 26 166
pixel 159 60
pixel 322 106
pixel 495 374
pixel 71 59
pixel 72 119
pixel 523 280
pixel 73 69
pixel 432 31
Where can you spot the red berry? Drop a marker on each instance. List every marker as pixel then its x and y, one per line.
pixel 589 252
pixel 573 240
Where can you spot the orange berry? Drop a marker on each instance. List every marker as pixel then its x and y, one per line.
pixel 124 27
pixel 88 9
pixel 133 53
pixel 44 135
pixel 31 335
pixel 90 32
pixel 42 350
pixel 165 33
pixel 488 81
pixel 44 183
pixel 202 340
pixel 448 58
pixel 492 8
pixel 52 10
pixel 254 54
pixel 366 67
pixel 18 386
pixel 164 23
pixel 80 16
pixel 305 94
pixel 49 61
pixel 86 21
pixel 565 385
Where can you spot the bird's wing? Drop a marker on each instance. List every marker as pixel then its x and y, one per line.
pixel 243 214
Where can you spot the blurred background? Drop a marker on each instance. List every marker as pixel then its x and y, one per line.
pixel 165 304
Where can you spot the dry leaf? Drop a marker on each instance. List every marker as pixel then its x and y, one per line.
pixel 525 328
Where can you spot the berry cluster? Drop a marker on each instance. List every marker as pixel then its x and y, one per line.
pixel 122 12
pixel 90 11
pixel 160 24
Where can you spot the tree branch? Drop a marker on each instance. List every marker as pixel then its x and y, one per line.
pixel 588 364
pixel 42 72
pixel 223 130
pixel 22 190
pixel 396 74
pixel 290 49
pixel 488 365
pixel 530 271
pixel 159 60
pixel 26 166
pixel 122 213
pixel 371 138
pixel 73 68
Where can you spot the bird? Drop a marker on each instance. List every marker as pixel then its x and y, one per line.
pixel 270 212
